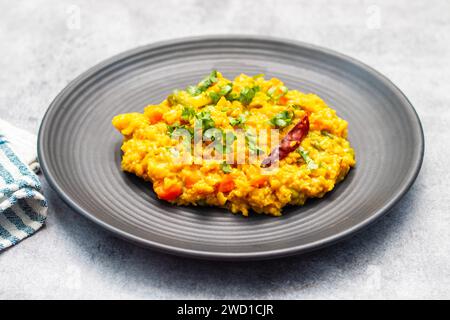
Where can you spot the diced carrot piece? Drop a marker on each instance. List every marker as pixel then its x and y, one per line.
pixel 227 184
pixel 155 116
pixel 190 180
pixel 259 182
pixel 283 100
pixel 170 193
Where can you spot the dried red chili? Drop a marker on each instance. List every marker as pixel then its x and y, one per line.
pixel 289 143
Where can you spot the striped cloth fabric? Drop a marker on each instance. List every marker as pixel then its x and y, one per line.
pixel 23 209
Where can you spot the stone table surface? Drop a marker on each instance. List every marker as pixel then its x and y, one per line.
pixel 45 44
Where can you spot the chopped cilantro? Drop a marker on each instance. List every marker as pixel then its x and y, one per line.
pixel 204 118
pixel 229 138
pixel 282 119
pixel 277 92
pixel 250 138
pixel 327 134
pixel 317 145
pixel 215 97
pixel 212 133
pixel 203 85
pixel 225 167
pixel 309 162
pixel 247 95
pixel 239 120
pixel 256 76
pixel 232 96
pixel 172 98
pixel 208 81
pixel 187 113
pixel 193 90
pixel 172 128
pixel 226 89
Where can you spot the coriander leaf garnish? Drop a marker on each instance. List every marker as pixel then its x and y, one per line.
pixel 239 120
pixel 208 81
pixel 277 92
pixel 282 119
pixel 229 138
pixel 172 128
pixel 327 134
pixel 250 138
pixel 193 90
pixel 226 167
pixel 172 98
pixel 215 97
pixel 204 120
pixel 234 122
pixel 203 85
pixel 232 96
pixel 226 89
pixel 187 113
pixel 212 133
pixel 247 94
pixel 309 162
pixel 317 145
pixel 256 76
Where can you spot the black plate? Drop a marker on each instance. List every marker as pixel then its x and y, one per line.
pixel 79 150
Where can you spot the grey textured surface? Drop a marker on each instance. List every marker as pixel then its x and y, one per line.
pixel 405 255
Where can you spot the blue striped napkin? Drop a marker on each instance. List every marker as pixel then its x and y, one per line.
pixel 23 209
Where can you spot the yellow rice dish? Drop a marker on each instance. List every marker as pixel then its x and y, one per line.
pixel 238 111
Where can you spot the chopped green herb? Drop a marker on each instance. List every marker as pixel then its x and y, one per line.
pixel 247 95
pixel 232 96
pixel 176 131
pixel 172 98
pixel 317 145
pixel 225 167
pixel 229 138
pixel 172 128
pixel 193 90
pixel 226 89
pixel 327 134
pixel 215 97
pixel 239 120
pixel 234 122
pixel 322 165
pixel 309 162
pixel 212 133
pixel 176 126
pixel 208 81
pixel 250 138
pixel 256 76
pixel 296 106
pixel 204 120
pixel 282 119
pixel 283 90
pixel 271 92
pixel 187 113
pixel 203 85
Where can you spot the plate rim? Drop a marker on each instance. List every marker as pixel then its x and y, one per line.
pixel 212 255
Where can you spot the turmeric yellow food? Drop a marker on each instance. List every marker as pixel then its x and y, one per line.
pixel 233 116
